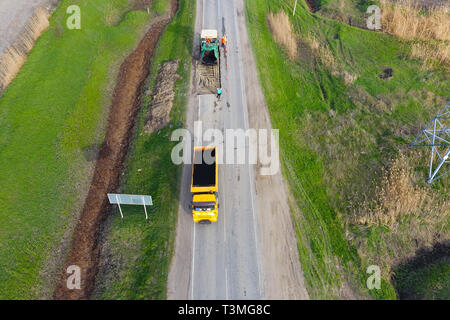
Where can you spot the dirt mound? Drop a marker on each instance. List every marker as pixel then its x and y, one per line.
pixel 158 114
pixel 208 78
pixel 126 101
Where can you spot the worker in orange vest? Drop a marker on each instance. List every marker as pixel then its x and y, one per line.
pixel 224 40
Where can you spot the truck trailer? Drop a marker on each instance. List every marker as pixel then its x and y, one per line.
pixel 204 185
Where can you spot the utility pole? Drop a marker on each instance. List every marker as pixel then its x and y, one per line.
pixel 436 136
pixel 295 7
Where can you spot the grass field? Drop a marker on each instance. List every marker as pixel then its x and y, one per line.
pixel 344 135
pixel 52 121
pixel 427 282
pixel 136 254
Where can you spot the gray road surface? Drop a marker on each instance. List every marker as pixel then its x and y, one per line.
pixel 251 252
pixel 224 260
pixel 225 255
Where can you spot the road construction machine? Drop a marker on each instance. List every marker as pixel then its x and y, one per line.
pixel 209 47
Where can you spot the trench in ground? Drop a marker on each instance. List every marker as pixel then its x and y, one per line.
pixel 85 250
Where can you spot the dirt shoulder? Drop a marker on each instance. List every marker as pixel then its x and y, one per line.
pixel 283 275
pixel 14 16
pixel 126 101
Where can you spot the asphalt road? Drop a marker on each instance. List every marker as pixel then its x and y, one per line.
pixel 225 255
pixel 225 258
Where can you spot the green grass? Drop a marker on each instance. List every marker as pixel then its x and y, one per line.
pixel 159 6
pixel 349 11
pixel 336 137
pixel 52 119
pixel 138 253
pixel 430 282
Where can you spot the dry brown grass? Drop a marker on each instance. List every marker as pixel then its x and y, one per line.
pixel 282 32
pixel 397 196
pixel 416 217
pixel 432 53
pixel 405 19
pixel 15 55
pixel 111 15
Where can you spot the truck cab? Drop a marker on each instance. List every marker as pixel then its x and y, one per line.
pixel 204 185
pixel 205 207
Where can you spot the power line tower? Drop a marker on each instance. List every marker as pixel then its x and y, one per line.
pixel 436 136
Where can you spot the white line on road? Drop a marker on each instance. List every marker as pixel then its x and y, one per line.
pixel 217 14
pixel 223 214
pixel 223 191
pixel 193 265
pixel 198 136
pixel 198 116
pixel 223 211
pixel 226 283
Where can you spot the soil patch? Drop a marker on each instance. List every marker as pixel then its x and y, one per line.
pixel 387 73
pixel 84 250
pixel 142 4
pixel 207 78
pixel 158 114
pixel 313 5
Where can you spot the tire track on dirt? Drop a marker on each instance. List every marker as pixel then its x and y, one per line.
pixel 126 101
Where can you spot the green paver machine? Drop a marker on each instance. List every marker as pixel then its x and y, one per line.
pixel 209 47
